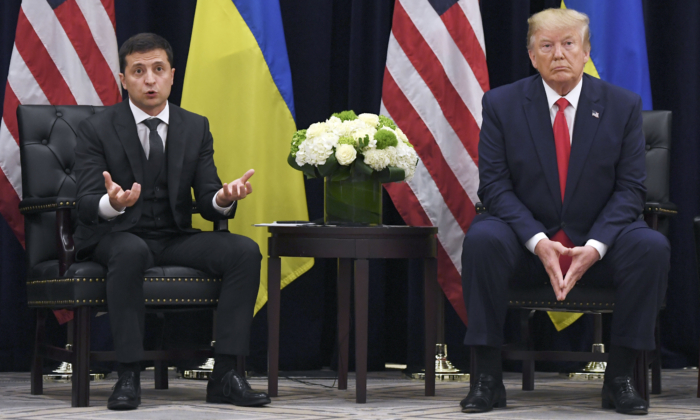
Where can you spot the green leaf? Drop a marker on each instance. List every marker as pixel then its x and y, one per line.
pixel 293 162
pixel 364 141
pixel 362 167
pixel 329 167
pixel 341 174
pixel 391 174
pixel 308 170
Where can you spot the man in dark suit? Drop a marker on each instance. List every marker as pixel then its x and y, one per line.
pixel 561 171
pixel 137 163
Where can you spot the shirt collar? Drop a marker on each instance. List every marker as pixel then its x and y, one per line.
pixel 140 115
pixel 572 96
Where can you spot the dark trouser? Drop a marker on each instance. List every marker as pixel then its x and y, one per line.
pixel 233 257
pixel 636 264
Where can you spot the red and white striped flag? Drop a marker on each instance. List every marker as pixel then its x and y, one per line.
pixel 65 53
pixel 434 80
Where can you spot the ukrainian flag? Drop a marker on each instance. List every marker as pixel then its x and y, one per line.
pixel 618 56
pixel 618 44
pixel 238 76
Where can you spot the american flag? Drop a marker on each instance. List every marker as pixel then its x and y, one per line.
pixel 434 80
pixel 65 52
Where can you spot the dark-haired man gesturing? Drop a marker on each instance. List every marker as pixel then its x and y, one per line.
pixel 136 164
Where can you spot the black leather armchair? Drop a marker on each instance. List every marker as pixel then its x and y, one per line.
pixel 55 280
pixel 597 299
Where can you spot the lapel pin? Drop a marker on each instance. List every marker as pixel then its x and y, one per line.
pixel 596 114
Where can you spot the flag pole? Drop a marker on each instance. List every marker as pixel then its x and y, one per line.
pixel 444 369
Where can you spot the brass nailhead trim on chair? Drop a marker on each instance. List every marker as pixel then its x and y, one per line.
pixel 180 279
pixel 559 303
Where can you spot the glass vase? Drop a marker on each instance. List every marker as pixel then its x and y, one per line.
pixel 355 201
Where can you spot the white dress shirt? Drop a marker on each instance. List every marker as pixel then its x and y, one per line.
pixel 105 209
pixel 570 115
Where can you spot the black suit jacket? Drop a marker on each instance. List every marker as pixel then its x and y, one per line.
pixel 108 141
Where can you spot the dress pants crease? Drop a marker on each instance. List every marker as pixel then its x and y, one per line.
pixel 126 257
pixel 237 260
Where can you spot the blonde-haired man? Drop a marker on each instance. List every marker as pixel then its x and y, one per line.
pixel 561 172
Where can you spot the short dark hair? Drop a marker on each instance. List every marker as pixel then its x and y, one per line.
pixel 141 43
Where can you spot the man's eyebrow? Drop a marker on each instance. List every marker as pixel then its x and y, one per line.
pixel 141 63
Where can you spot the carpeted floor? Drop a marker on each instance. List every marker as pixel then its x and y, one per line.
pixel 389 397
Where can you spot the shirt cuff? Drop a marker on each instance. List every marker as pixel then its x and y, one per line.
pixel 105 209
pixel 599 246
pixel 531 243
pixel 223 210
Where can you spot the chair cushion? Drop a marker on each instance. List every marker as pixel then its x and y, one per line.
pixel 84 284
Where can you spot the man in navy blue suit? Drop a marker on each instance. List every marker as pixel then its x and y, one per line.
pixel 561 171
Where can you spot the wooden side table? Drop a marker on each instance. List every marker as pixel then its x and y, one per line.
pixel 348 245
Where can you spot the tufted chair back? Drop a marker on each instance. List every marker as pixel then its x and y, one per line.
pixel 657 133
pixel 48 138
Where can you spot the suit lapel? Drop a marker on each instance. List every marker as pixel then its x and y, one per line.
pixel 537 112
pixel 126 130
pixel 588 116
pixel 175 152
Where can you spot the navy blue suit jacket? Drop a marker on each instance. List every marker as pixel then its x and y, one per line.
pixel 519 181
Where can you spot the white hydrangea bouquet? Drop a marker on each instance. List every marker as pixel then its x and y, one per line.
pixel 347 143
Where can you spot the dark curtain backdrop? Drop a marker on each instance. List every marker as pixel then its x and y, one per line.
pixel 337 52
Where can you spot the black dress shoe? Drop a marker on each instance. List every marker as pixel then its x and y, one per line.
pixel 488 393
pixel 127 393
pixel 232 388
pixel 621 395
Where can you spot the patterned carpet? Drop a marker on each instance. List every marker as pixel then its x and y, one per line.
pixel 388 397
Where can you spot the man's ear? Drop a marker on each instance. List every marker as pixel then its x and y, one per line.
pixel 172 76
pixel 122 79
pixel 531 54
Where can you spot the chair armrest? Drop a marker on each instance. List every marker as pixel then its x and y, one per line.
pixel 63 206
pixel 43 205
pixel 219 225
pixel 661 209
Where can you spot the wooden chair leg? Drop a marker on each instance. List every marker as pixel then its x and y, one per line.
pixel 641 375
pixel 528 365
pixel 698 394
pixel 240 365
pixel 656 362
pixel 81 357
pixel 160 367
pixel 472 367
pixel 160 374
pixel 37 378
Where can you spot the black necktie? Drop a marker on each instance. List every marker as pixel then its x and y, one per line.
pixel 155 156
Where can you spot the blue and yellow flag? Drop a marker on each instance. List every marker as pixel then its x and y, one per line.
pixel 618 44
pixel 238 76
pixel 618 56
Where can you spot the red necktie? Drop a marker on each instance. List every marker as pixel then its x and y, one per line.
pixel 562 143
